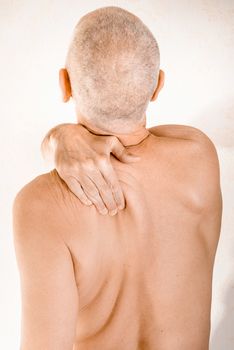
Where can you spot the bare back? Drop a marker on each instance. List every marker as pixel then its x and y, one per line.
pixel 144 275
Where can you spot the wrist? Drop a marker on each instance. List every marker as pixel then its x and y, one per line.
pixel 66 135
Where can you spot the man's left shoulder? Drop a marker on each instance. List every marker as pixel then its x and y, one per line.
pixel 36 201
pixel 36 191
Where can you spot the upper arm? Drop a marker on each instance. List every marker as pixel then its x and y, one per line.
pixel 48 288
pixel 207 175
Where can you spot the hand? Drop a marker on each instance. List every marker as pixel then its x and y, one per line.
pixel 82 160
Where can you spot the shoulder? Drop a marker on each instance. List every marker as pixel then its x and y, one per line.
pixel 197 157
pixel 199 148
pixel 47 208
pixel 35 193
pixel 185 132
pixel 36 204
pixel 47 187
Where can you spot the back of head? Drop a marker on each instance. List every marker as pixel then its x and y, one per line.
pixel 113 66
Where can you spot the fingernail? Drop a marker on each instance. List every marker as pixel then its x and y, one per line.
pixel 104 211
pixel 88 202
pixel 121 206
pixel 113 212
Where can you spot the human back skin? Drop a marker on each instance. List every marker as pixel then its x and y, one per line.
pixel 144 276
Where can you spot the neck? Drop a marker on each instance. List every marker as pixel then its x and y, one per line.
pixel 127 139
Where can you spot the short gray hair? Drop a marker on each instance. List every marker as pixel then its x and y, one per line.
pixel 113 65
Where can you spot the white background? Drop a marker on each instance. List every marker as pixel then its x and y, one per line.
pixel 196 40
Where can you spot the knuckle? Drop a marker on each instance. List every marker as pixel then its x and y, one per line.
pixel 114 187
pixel 69 168
pixel 115 192
pixel 93 194
pixel 83 199
pixel 102 158
pixel 88 163
pixel 74 169
pixel 105 190
pixel 81 195
pixel 96 201
pixel 110 203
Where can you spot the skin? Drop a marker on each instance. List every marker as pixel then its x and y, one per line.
pixel 141 279
pixel 75 156
pixel 80 156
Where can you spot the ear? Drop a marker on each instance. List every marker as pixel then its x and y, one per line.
pixel 161 79
pixel 65 84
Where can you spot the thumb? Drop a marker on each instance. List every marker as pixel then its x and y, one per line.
pixel 122 154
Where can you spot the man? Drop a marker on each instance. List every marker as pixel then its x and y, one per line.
pixel 140 278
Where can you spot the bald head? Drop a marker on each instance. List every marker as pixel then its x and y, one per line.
pixel 113 65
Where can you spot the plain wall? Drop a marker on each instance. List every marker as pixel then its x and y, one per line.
pixel 197 53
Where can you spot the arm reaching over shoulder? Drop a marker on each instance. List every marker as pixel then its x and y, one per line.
pixel 48 288
pixel 82 160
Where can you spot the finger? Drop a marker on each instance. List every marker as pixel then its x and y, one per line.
pixel 104 190
pixel 121 153
pixel 76 188
pixel 93 194
pixel 110 176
